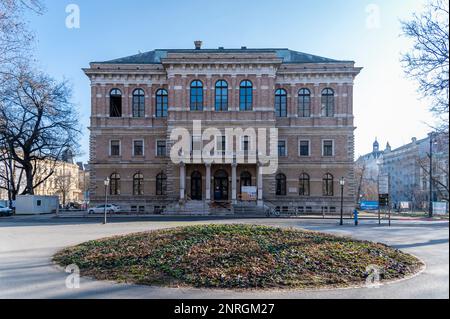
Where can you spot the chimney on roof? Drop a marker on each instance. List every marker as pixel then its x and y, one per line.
pixel 198 45
pixel 414 140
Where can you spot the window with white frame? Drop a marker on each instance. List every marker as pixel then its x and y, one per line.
pixel 245 143
pixel 327 148
pixel 305 148
pixel 282 148
pixel 221 144
pixel 114 148
pixel 160 148
pixel 138 148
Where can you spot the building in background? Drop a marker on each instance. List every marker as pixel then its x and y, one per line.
pixel 408 168
pixel 83 182
pixel 64 182
pixel 67 181
pixel 367 169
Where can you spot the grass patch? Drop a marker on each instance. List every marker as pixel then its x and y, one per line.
pixel 236 256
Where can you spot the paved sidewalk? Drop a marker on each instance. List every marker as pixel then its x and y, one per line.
pixel 28 243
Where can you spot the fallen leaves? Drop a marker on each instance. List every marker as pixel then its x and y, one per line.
pixel 236 256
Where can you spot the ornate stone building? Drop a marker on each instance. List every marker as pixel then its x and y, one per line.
pixel 368 170
pixel 138 101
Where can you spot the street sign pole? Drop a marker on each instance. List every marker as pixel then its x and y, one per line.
pixel 389 198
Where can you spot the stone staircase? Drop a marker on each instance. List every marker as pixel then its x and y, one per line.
pixel 190 207
pixel 249 209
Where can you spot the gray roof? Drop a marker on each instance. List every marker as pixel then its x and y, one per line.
pixel 155 56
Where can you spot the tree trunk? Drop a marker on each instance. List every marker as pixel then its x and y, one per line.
pixel 29 190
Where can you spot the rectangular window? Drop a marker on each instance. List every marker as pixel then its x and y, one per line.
pixel 196 143
pixel 245 144
pixel 115 148
pixel 304 148
pixel 138 148
pixel 328 148
pixel 282 152
pixel 160 148
pixel 221 144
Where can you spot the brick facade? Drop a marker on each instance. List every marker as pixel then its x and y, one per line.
pixel 267 70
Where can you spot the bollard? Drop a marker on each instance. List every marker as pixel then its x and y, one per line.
pixel 355 216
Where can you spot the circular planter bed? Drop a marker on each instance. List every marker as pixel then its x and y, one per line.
pixel 237 256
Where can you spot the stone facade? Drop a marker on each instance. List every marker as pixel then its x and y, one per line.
pixel 145 180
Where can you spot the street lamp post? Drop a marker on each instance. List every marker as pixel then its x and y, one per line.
pixel 106 182
pixel 430 208
pixel 342 183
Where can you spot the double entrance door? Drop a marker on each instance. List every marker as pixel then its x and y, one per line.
pixel 221 186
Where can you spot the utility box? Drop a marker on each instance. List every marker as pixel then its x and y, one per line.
pixel 36 205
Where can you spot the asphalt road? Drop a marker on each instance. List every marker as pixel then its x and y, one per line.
pixel 28 243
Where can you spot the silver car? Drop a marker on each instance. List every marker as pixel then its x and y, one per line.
pixel 100 209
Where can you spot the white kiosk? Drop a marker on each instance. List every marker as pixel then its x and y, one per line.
pixel 36 205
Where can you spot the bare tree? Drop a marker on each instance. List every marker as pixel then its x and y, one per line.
pixel 37 122
pixel 360 170
pixel 15 37
pixel 439 178
pixel 65 183
pixel 428 61
pixel 367 183
pixel 11 175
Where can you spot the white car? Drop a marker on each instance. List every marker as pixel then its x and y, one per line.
pixel 100 209
pixel 5 211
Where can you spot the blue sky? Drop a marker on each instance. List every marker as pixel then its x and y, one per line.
pixel 386 103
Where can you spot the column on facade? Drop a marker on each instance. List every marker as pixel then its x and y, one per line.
pixel 233 183
pixel 260 185
pixel 182 181
pixel 208 183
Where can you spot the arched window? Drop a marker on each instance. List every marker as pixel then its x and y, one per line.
pixel 246 96
pixel 281 185
pixel 138 103
pixel 221 96
pixel 304 186
pixel 196 96
pixel 114 184
pixel 281 103
pixel 161 184
pixel 115 103
pixel 138 184
pixel 304 103
pixel 328 103
pixel 162 103
pixel 328 189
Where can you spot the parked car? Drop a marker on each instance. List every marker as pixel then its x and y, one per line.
pixel 5 211
pixel 100 209
pixel 73 206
